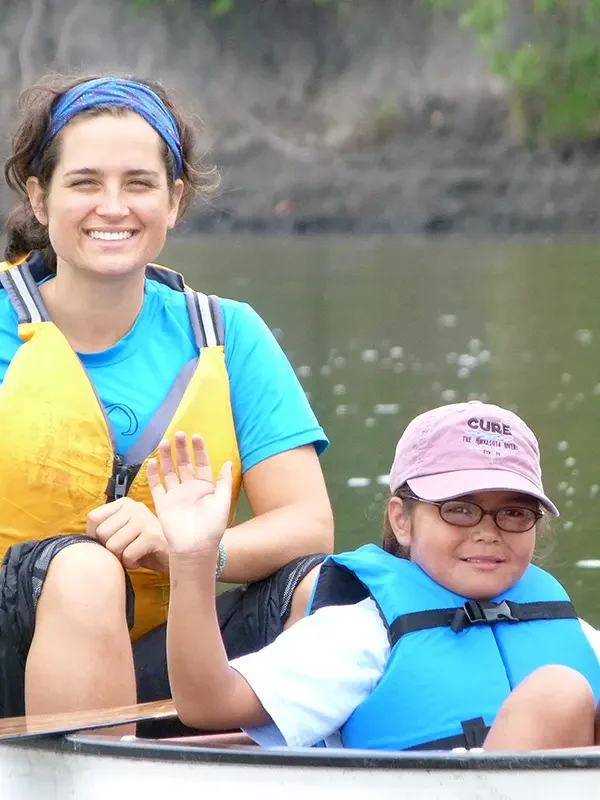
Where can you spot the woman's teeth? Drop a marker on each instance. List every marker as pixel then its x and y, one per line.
pixel 110 235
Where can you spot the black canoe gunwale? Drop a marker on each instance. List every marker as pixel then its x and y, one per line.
pixel 153 750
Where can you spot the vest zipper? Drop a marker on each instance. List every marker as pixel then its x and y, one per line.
pixel 121 479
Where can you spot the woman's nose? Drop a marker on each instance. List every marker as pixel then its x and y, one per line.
pixel 112 205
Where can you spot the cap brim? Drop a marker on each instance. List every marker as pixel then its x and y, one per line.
pixel 446 485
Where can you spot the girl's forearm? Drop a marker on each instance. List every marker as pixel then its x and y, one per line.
pixel 208 693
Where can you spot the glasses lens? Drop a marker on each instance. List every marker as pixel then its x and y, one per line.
pixel 457 512
pixel 515 519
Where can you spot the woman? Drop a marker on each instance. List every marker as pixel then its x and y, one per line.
pixel 100 356
pixel 453 640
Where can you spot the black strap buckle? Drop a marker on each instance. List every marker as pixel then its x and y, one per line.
pixel 475 731
pixel 484 611
pixel 120 481
pixel 481 612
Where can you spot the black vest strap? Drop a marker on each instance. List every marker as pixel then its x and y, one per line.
pixel 473 735
pixel 337 586
pixel 476 612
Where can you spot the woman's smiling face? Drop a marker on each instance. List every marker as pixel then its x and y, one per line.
pixel 109 204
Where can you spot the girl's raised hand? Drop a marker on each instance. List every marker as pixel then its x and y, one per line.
pixel 191 508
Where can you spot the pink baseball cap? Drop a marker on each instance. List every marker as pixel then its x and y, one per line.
pixel 464 448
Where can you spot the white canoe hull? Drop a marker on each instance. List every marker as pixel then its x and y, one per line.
pixel 95 768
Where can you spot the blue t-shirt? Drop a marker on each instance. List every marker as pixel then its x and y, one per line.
pixel 270 410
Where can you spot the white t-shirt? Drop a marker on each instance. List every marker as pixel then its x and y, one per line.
pixel 315 674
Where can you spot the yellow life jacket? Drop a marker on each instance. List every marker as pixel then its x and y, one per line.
pixel 58 458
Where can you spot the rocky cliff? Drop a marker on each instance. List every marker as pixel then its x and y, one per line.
pixel 366 116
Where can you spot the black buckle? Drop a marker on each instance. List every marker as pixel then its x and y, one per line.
pixel 484 611
pixel 481 612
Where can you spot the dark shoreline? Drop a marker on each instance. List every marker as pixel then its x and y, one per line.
pixel 461 175
pixel 446 169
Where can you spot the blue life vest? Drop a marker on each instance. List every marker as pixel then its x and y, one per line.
pixel 453 661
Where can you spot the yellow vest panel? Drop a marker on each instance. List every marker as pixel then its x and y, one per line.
pixel 58 453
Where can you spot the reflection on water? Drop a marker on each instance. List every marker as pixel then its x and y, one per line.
pixel 381 329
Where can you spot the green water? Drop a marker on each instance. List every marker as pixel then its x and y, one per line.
pixel 380 329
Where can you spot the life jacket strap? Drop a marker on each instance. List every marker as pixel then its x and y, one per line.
pixel 20 283
pixel 206 318
pixel 473 735
pixel 479 612
pixel 24 295
pixel 337 586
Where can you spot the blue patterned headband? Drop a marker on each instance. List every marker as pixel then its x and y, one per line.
pixel 117 92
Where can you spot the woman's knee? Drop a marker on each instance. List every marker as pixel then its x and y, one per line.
pixel 83 579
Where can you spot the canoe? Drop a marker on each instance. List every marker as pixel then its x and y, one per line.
pixel 93 767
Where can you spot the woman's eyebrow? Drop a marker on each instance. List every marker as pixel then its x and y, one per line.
pixel 92 171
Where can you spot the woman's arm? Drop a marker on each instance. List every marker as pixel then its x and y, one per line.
pixel 279 440
pixel 292 516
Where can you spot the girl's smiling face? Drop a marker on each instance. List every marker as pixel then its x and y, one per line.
pixel 478 562
pixel 109 204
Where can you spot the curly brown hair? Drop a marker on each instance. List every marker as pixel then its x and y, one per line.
pixel 23 231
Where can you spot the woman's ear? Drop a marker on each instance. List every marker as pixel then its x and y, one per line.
pixel 175 202
pixel 400 521
pixel 37 200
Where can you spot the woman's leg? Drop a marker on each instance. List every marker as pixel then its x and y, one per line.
pixel 552 708
pixel 80 657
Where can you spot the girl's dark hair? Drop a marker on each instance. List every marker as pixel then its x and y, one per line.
pixel 23 231
pixel 544 535
pixel 390 544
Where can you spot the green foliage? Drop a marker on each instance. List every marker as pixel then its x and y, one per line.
pixel 221 7
pixel 548 51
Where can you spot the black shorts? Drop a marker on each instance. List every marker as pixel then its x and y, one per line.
pixel 250 618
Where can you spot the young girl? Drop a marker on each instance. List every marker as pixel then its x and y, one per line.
pixel 452 639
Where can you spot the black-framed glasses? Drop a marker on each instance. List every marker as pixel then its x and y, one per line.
pixel 464 514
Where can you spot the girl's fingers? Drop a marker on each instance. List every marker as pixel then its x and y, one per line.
pixel 203 468
pixel 183 468
pixel 154 481
pixel 183 458
pixel 167 467
pixel 222 493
